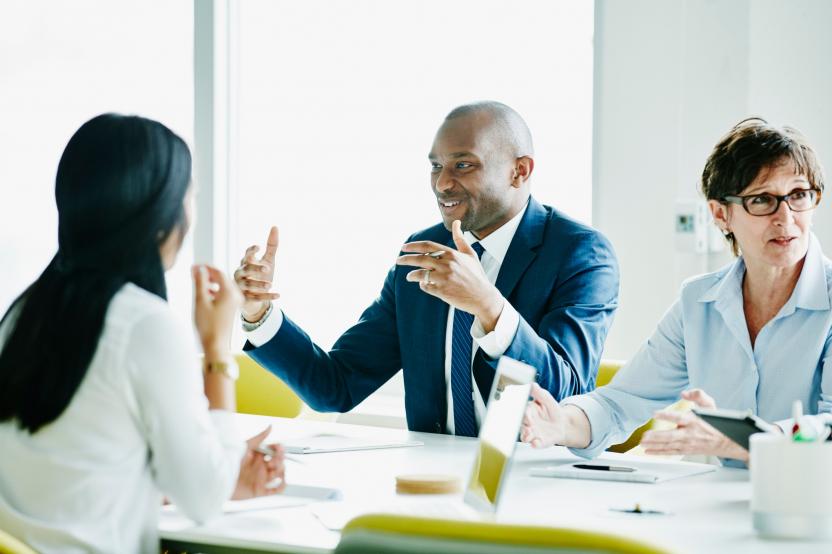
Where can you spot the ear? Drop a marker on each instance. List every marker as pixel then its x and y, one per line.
pixel 523 168
pixel 721 214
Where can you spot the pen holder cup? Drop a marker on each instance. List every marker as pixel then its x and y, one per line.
pixel 791 487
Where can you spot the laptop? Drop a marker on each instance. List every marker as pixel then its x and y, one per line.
pixel 495 448
pixel 498 434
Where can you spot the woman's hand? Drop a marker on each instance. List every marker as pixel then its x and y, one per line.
pixel 544 423
pixel 691 435
pixel 547 423
pixel 258 470
pixel 216 301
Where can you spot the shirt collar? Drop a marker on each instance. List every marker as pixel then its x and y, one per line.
pixel 810 293
pixel 496 244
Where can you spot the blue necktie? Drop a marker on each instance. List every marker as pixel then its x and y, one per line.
pixel 465 424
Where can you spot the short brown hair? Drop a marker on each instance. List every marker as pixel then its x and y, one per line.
pixel 751 146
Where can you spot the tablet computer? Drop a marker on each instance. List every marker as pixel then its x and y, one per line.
pixel 737 425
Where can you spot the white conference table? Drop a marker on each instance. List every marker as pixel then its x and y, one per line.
pixel 705 513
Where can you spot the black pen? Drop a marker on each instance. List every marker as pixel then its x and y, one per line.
pixel 604 467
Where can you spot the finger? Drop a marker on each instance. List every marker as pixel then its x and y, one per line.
pixel 271 245
pixel 215 275
pixel 257 439
pixel 670 451
pixel 674 417
pixel 245 279
pixel 541 395
pixel 254 268
pixel 423 247
pixel 667 437
pixel 532 410
pixel 699 397
pixel 419 276
pixel 459 239
pixel 257 285
pixel 277 455
pixel 249 254
pixel 201 293
pixel 226 288
pixel 431 289
pixel 281 487
pixel 418 260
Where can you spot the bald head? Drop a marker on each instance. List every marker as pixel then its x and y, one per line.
pixel 508 129
pixel 481 162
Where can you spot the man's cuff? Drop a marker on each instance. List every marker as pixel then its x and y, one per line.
pixel 495 343
pixel 267 330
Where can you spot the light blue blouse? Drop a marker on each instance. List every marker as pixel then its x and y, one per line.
pixel 702 342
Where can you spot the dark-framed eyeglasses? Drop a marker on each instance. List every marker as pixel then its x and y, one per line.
pixel 798 200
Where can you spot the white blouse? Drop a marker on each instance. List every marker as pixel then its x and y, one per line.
pixel 137 428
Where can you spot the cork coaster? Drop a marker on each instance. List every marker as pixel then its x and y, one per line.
pixel 427 484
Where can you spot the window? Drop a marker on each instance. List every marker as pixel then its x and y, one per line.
pixel 61 64
pixel 338 103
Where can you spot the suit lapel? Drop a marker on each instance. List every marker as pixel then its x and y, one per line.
pixel 522 250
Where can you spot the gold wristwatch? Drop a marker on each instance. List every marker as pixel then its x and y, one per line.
pixel 226 367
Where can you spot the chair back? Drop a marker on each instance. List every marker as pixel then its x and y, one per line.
pixel 261 392
pixel 606 371
pixel 399 534
pixel 11 545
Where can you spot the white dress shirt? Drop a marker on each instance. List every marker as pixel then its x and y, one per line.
pixel 138 427
pixel 703 342
pixel 494 343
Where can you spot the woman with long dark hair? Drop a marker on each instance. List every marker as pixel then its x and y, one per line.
pixel 102 404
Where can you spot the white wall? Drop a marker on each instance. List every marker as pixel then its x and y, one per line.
pixel 671 77
pixel 790 70
pixel 62 63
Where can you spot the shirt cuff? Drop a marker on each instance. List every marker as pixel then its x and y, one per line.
pixel 495 343
pixel 267 330
pixel 599 425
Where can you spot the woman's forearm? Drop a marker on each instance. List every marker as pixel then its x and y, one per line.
pixel 578 432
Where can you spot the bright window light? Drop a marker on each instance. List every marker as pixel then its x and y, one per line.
pixel 338 103
pixel 69 62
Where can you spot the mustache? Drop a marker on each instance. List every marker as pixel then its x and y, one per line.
pixel 450 198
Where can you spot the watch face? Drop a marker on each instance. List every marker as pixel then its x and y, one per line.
pixel 233 370
pixel 230 368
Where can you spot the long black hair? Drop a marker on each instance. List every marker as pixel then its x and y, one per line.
pixel 119 189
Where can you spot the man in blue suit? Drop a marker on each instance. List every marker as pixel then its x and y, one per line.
pixel 502 275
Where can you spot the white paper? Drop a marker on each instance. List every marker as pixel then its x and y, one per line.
pixel 645 471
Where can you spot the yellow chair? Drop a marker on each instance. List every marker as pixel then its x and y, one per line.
pixel 606 371
pixel 10 545
pixel 260 392
pixel 397 534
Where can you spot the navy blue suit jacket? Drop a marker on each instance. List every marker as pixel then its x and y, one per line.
pixel 562 278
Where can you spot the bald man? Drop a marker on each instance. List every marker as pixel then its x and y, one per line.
pixel 501 275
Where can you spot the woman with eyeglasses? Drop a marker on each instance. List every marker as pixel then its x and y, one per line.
pixel 754 335
pixel 103 407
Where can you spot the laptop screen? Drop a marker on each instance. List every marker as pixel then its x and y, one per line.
pixel 498 433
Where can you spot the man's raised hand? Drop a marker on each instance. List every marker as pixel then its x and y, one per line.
pixel 255 277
